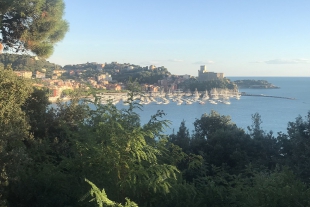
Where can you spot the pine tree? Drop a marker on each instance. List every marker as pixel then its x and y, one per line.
pixel 32 25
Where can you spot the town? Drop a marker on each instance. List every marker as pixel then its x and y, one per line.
pixel 108 77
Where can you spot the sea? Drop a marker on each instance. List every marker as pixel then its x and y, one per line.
pixel 275 113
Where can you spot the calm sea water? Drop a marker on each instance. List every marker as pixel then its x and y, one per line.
pixel 275 113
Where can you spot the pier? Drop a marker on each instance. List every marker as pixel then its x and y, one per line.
pixel 269 96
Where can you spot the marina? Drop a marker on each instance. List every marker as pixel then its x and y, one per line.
pixel 275 106
pixel 216 96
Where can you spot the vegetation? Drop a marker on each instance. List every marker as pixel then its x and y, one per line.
pixel 27 63
pixel 32 25
pixel 192 84
pixel 254 84
pixel 48 152
pixel 142 75
pixel 120 72
pixel 63 155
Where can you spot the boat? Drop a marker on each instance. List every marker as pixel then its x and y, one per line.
pixel 214 94
pixel 196 95
pixel 205 96
pixel 188 102
pixel 212 102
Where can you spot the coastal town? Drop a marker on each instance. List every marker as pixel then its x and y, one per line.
pixel 113 77
pixel 110 81
pixel 154 103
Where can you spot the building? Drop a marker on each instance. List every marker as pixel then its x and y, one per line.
pixel 204 75
pixel 104 77
pixel 40 75
pixel 114 87
pixel 24 74
pixel 59 72
pixel 55 92
pixel 152 67
pixel 150 88
pixel 185 77
pixel 100 66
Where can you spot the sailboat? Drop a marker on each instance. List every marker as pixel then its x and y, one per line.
pixel 214 94
pixel 205 96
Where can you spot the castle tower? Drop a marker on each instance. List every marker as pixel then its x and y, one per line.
pixel 203 68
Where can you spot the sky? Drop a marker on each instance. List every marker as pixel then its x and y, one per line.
pixel 235 37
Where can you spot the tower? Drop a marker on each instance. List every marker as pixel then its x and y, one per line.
pixel 203 68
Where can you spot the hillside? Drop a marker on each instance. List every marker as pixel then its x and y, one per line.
pixel 26 62
pixel 259 84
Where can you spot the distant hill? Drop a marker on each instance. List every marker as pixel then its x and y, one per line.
pixel 122 72
pixel 26 62
pixel 259 84
pixel 193 84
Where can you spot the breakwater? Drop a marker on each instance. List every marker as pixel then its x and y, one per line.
pixel 268 96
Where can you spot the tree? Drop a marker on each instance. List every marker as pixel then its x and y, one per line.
pixel 13 126
pixel 297 146
pixel 255 129
pixel 266 148
pixel 35 108
pixel 102 199
pixel 122 158
pixel 32 25
pixel 279 188
pixel 182 138
pixel 208 124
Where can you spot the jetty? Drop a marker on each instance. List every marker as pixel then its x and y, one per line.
pixel 269 96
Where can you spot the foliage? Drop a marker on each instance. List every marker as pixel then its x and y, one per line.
pixel 142 75
pixel 265 146
pixel 27 63
pixel 84 66
pixel 102 199
pixel 32 25
pixel 13 126
pixel 279 188
pixel 48 151
pixel 208 124
pixel 254 84
pixel 35 108
pixel 182 138
pixel 119 143
pixel 296 146
pixel 192 84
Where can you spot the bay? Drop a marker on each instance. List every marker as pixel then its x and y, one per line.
pixel 275 112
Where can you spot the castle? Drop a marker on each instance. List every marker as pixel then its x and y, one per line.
pixel 203 75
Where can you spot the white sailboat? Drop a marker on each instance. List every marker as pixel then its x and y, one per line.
pixel 214 94
pixel 205 96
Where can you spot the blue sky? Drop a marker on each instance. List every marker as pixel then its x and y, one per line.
pixel 236 37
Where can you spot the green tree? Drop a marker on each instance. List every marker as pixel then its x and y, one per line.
pixel 35 107
pixel 192 84
pixel 297 146
pixel 182 138
pixel 13 126
pixel 210 123
pixel 265 148
pixel 221 142
pixel 280 188
pixel 102 200
pixel 32 25
pixel 123 155
pixel 46 179
pixel 107 145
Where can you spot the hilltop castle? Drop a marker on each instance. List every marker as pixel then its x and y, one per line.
pixel 204 75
